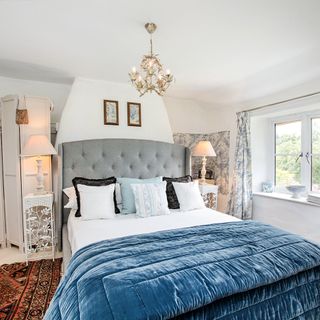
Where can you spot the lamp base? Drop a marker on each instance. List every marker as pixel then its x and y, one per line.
pixel 40 179
pixel 203 171
pixel 40 192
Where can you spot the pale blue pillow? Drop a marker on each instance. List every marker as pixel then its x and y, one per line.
pixel 128 205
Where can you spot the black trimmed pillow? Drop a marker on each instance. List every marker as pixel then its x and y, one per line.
pixel 172 198
pixel 93 183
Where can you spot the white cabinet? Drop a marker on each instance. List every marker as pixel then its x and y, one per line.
pixel 19 174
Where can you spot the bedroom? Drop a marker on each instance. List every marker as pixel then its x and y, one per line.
pixel 135 188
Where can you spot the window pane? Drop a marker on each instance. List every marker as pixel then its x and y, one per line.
pixel 288 170
pixel 288 138
pixel 316 136
pixel 316 173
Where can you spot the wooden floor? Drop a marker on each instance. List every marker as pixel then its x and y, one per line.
pixel 11 255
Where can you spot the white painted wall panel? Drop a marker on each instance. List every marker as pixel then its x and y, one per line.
pixel 302 219
pixel 82 117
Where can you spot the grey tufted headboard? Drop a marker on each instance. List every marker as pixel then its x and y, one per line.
pixel 120 158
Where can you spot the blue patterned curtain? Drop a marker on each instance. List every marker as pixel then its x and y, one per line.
pixel 240 201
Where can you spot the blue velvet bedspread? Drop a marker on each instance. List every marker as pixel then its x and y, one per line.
pixel 238 270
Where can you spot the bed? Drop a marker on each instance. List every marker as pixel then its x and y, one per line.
pixel 187 265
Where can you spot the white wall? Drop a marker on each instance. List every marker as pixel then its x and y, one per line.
pixel 58 93
pixel 188 116
pixel 82 117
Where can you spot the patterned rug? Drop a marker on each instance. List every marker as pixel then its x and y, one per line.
pixel 26 291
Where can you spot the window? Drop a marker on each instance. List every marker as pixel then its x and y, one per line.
pixel 315 156
pixel 297 152
pixel 288 149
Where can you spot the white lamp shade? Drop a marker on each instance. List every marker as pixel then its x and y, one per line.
pixel 38 145
pixel 202 149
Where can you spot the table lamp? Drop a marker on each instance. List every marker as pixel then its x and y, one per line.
pixel 36 146
pixel 203 149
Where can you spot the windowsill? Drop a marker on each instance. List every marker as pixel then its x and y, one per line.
pixel 285 197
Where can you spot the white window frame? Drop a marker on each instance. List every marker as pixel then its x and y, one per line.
pixel 306 146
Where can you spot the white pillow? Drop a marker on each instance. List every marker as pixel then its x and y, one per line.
pixel 150 199
pixel 96 202
pixel 71 194
pixel 188 195
pixel 118 194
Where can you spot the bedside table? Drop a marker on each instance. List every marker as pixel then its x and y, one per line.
pixel 38 226
pixel 209 194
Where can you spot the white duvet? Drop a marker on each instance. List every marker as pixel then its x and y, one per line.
pixel 84 232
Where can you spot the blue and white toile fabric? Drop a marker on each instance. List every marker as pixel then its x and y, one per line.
pixel 240 201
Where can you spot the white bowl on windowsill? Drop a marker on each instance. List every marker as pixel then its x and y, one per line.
pixel 296 190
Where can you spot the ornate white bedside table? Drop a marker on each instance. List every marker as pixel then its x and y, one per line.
pixel 209 194
pixel 38 226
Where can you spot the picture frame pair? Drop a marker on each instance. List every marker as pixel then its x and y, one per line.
pixel 111 113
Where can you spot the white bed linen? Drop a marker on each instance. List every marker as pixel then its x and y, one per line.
pixel 84 232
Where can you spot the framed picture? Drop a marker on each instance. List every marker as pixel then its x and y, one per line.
pixel 134 114
pixel 111 112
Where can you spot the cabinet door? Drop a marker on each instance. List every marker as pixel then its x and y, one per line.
pixel 2 220
pixel 11 171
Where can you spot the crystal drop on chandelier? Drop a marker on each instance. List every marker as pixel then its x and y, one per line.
pixel 151 77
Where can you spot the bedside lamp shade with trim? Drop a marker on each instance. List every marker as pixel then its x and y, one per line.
pixel 203 149
pixel 36 146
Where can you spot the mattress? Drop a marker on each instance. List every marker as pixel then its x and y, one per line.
pixel 85 232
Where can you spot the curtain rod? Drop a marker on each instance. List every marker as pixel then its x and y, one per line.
pixel 283 101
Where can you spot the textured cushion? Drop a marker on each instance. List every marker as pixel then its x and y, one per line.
pixel 94 183
pixel 118 194
pixel 173 202
pixel 150 199
pixel 189 195
pixel 72 198
pixel 128 205
pixel 97 202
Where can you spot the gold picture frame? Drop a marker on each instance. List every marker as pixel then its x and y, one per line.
pixel 111 112
pixel 134 114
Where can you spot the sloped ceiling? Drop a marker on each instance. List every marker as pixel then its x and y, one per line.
pixel 221 52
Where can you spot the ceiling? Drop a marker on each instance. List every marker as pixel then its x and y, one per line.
pixel 222 52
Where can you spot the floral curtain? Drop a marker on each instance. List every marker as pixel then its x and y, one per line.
pixel 240 201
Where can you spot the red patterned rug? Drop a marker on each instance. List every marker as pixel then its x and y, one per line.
pixel 26 291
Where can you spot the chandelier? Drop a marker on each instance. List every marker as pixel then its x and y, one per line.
pixel 151 77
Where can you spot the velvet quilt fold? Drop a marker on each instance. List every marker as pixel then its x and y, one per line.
pixel 235 270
